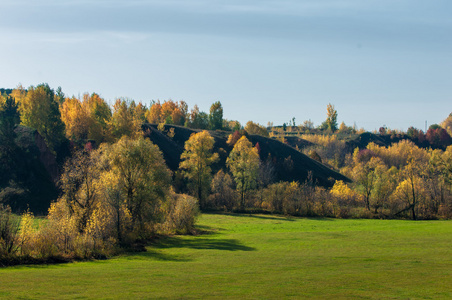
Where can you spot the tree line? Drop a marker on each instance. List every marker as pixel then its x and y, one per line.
pixel 117 192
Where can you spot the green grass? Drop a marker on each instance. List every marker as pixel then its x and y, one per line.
pixel 263 257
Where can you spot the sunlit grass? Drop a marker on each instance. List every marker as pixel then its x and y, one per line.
pixel 261 257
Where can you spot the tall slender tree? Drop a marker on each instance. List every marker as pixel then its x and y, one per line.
pixel 243 161
pixel 216 116
pixel 196 161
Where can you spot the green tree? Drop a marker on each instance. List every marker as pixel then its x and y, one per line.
pixel 196 161
pixel 40 110
pixel 216 116
pixel 243 161
pixel 9 118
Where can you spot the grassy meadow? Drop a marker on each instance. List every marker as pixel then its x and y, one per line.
pixel 263 257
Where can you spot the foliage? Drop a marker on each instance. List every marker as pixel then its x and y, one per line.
pixel 197 159
pixel 330 123
pixel 198 119
pixel 26 233
pixel 243 161
pixel 9 228
pixel 329 148
pixel 39 109
pixel 223 194
pixel 9 118
pixel 124 121
pixel 183 211
pixel 79 184
pixel 438 137
pixel 255 128
pixel 87 118
pixel 447 124
pixel 142 177
pixel 216 116
pixel 282 197
pixel 235 136
pixel 169 112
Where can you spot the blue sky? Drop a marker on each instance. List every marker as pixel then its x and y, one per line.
pixel 379 62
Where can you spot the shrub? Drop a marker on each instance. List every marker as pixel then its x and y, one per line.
pixel 9 228
pixel 181 215
pixel 223 194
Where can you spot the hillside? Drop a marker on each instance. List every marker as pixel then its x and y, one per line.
pixel 289 164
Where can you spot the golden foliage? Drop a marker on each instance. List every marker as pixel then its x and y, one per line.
pixel 243 161
pixel 196 161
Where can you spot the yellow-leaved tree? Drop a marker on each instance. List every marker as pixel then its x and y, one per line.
pixel 142 180
pixel 124 121
pixel 39 109
pixel 76 119
pixel 196 161
pixel 243 161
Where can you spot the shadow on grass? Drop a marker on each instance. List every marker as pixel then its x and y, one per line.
pixel 207 230
pixel 202 244
pixel 160 256
pixel 321 219
pixel 198 243
pixel 262 216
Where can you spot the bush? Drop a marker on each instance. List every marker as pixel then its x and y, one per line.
pixel 183 210
pixel 9 228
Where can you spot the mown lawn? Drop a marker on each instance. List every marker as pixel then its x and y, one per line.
pixel 263 257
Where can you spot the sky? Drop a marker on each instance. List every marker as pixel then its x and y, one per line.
pixel 385 62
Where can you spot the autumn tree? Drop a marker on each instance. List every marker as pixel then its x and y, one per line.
pixel 410 189
pixel 142 177
pixel 437 179
pixel 235 136
pixel 438 137
pixel 9 231
pixel 255 128
pixel 216 116
pixel 166 114
pixel 385 182
pixel 243 161
pixel 331 118
pixel 196 161
pixel 232 125
pixel 364 176
pixel 123 121
pixel 223 193
pixel 447 124
pixel 100 115
pixel 86 119
pixel 78 184
pixel 40 110
pixel 154 112
pixel 138 111
pixel 76 119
